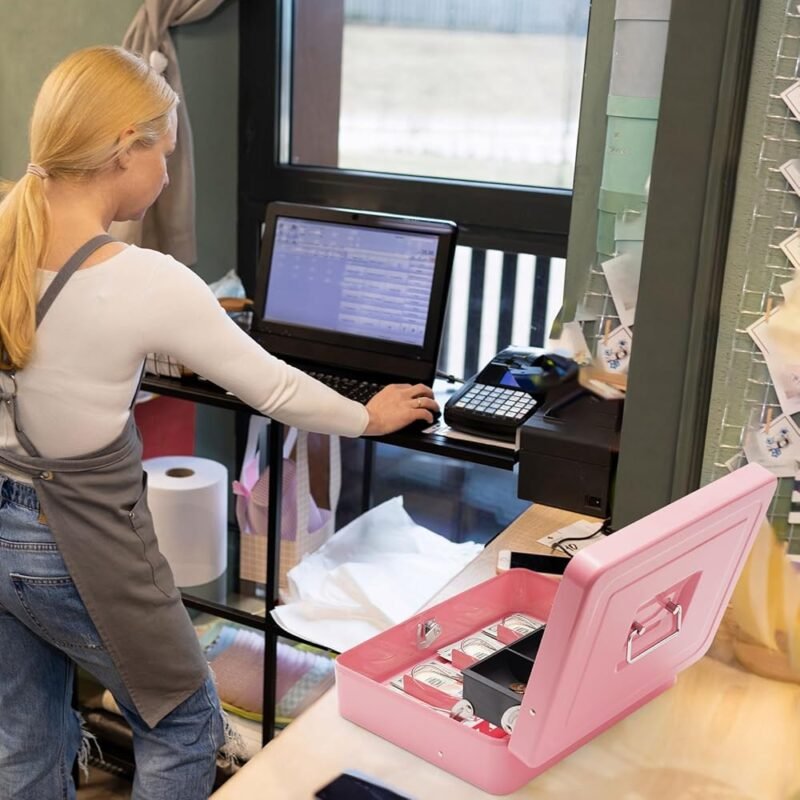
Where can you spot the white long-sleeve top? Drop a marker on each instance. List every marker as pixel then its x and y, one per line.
pixel 75 393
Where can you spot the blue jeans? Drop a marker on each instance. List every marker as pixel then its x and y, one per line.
pixel 45 631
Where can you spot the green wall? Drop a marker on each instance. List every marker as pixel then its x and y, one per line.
pixel 31 44
pixel 34 36
pixel 209 56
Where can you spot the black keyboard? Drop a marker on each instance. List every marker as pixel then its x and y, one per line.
pixel 352 388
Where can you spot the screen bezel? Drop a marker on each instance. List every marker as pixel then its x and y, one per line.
pixel 337 349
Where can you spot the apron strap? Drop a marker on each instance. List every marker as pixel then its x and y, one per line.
pixel 63 275
pixel 66 272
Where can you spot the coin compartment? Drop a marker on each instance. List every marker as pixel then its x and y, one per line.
pixel 487 683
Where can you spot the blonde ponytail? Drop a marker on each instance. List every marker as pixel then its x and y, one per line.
pixel 84 106
pixel 24 232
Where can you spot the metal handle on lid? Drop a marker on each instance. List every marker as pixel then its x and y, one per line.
pixel 638 630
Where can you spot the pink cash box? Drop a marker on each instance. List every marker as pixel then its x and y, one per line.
pixel 631 612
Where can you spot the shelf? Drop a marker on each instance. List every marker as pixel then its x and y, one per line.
pixel 220 598
pixel 197 390
pixel 474 452
pixel 234 610
pixel 194 389
pixel 229 609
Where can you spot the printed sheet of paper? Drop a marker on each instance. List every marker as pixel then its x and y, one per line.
pixel 791 249
pixel 622 274
pixel 614 350
pixel 777 449
pixel 791 171
pixel 785 376
pixel 792 99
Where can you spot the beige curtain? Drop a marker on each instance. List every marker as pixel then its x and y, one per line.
pixel 168 226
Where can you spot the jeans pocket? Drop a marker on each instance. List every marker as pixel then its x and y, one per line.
pixel 56 612
pixel 142 524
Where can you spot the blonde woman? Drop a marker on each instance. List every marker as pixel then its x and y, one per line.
pixel 81 578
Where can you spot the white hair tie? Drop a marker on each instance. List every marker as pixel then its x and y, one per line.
pixel 35 169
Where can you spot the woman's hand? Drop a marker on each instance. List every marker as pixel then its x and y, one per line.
pixel 397 405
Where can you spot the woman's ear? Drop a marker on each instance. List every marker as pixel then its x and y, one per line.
pixel 127 138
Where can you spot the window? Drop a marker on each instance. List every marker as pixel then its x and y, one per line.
pixel 481 91
pixel 456 109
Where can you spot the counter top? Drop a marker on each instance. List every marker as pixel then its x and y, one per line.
pixel 720 733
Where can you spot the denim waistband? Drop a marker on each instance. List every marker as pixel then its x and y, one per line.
pixel 21 494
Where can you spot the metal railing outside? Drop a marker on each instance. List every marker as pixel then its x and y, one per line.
pixel 498 299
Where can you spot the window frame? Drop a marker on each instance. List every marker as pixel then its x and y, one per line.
pixel 710 48
pixel 490 216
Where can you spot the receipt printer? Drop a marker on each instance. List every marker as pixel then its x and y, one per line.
pixel 568 451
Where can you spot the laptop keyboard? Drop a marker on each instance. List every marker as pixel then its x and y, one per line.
pixel 352 388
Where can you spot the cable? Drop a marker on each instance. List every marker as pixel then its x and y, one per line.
pixel 448 378
pixel 605 529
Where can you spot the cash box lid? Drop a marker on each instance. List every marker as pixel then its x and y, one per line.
pixel 635 609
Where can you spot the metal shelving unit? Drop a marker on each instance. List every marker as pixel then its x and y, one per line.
pixel 201 391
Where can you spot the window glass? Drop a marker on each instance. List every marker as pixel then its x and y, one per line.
pixel 477 90
pixel 498 299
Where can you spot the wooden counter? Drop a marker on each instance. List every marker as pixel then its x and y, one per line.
pixel 719 734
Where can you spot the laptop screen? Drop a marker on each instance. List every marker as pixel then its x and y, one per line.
pixel 353 289
pixel 372 282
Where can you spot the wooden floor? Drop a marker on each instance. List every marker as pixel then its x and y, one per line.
pixel 103 786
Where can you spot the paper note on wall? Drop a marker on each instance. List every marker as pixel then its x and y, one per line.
pixel 614 350
pixel 791 249
pixel 775 446
pixel 791 171
pixel 785 375
pixel 791 97
pixel 622 274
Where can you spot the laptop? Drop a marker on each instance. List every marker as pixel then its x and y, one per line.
pixel 356 299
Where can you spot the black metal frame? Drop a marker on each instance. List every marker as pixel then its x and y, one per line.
pixel 271 451
pixel 499 216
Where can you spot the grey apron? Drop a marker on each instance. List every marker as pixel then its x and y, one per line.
pixel 96 507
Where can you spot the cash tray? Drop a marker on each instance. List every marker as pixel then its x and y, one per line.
pixel 630 613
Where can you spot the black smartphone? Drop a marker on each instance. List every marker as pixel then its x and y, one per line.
pixel 354 786
pixel 551 564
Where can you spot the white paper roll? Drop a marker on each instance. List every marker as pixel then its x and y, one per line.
pixel 188 498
